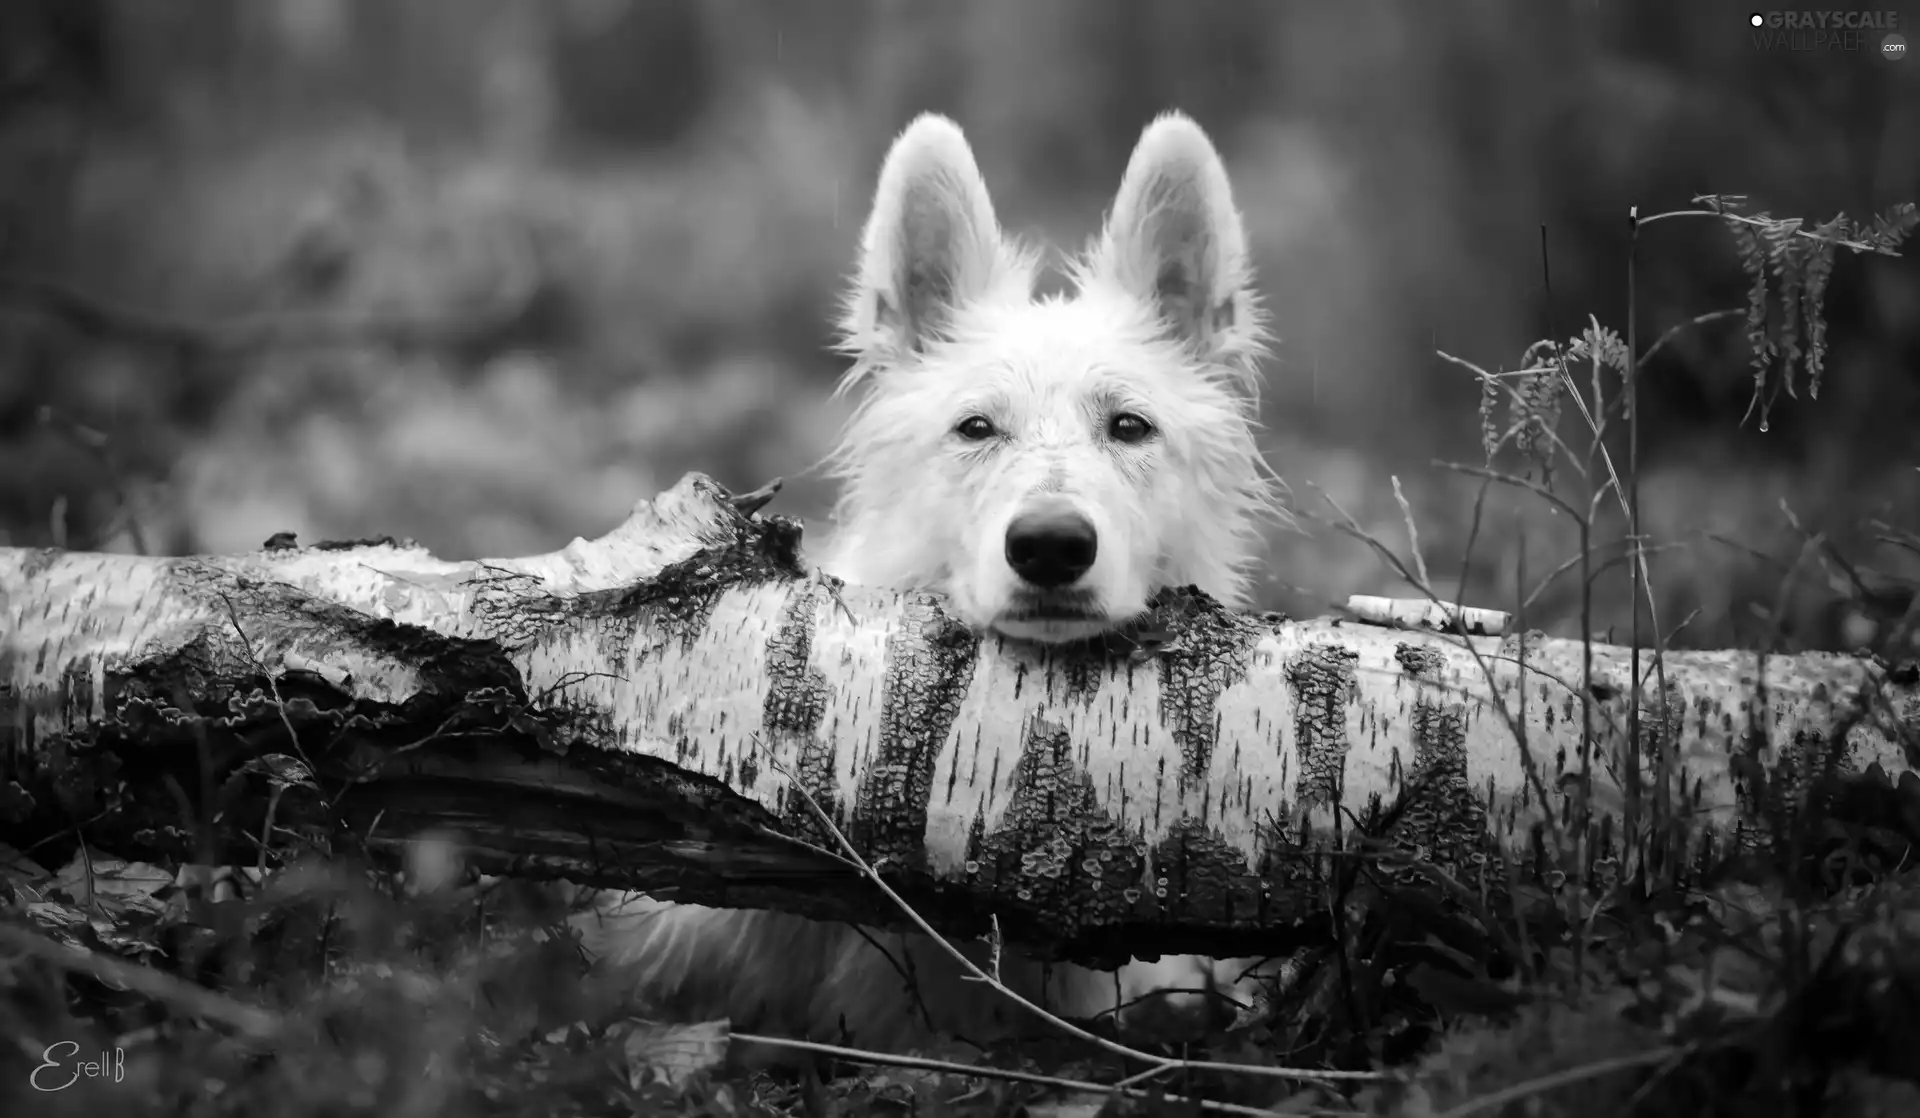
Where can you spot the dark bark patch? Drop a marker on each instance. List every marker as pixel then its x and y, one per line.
pixel 1322 681
pixel 1419 661
pixel 680 599
pixel 1209 654
pixel 1063 858
pixel 790 717
pixel 929 666
pixel 1439 817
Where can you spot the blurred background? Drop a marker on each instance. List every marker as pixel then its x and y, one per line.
pixel 483 273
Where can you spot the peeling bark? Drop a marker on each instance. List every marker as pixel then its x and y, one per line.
pixel 628 711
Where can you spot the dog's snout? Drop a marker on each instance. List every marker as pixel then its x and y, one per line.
pixel 1051 548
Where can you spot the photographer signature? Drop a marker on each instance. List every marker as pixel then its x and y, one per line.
pixel 61 1070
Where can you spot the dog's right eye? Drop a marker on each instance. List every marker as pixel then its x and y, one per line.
pixel 974 428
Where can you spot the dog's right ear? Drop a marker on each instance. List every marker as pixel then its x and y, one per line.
pixel 931 244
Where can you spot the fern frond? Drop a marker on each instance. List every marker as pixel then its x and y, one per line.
pixel 1537 412
pixel 1753 260
pixel 1786 256
pixel 1813 296
pixel 1490 437
pixel 1891 227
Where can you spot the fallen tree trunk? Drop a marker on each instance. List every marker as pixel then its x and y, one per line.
pixel 634 711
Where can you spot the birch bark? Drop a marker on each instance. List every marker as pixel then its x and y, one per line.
pixel 634 711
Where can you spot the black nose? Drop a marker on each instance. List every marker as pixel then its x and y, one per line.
pixel 1050 549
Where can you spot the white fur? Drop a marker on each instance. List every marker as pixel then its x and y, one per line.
pixel 943 324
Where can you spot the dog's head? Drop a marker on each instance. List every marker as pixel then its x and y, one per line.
pixel 1047 463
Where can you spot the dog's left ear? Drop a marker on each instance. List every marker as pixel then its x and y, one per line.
pixel 1174 240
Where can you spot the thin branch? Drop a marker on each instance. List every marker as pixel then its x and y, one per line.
pixel 1769 223
pixel 980 975
pixel 859 1056
pixel 1679 328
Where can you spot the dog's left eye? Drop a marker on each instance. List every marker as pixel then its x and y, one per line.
pixel 1127 427
pixel 974 428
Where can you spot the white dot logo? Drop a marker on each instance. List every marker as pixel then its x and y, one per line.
pixel 1757 19
pixel 1893 48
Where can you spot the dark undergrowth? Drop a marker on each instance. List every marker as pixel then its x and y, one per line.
pixel 1771 984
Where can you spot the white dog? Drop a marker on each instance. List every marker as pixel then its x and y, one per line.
pixel 1045 463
